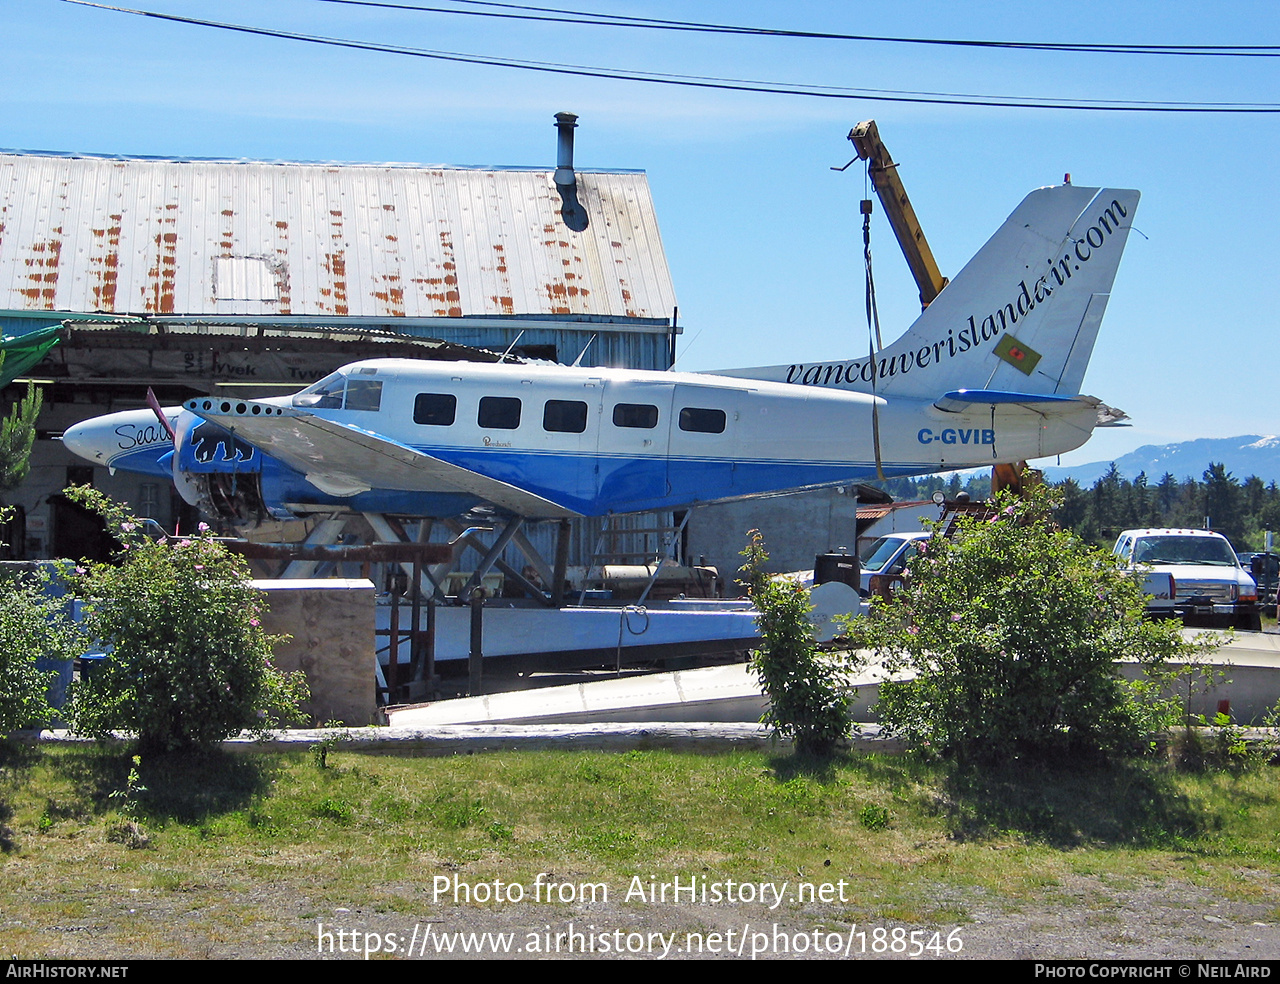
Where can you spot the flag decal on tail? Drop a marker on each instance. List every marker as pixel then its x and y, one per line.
pixel 1018 354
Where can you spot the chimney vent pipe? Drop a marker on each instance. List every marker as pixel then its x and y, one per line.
pixel 565 123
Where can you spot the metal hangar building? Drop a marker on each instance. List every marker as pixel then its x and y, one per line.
pixel 256 278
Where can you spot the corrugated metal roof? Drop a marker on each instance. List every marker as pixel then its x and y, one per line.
pixel 168 237
pixel 883 509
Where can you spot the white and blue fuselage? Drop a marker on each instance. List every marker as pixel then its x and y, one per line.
pixel 988 374
pixel 589 441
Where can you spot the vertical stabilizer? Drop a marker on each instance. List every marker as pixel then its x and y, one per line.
pixel 1022 316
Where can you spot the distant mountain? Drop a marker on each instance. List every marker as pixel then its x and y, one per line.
pixel 1242 456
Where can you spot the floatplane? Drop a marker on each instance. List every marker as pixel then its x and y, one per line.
pixel 989 373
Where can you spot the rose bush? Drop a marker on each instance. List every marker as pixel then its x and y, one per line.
pixel 188 663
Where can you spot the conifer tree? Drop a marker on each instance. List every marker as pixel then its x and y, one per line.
pixel 17 435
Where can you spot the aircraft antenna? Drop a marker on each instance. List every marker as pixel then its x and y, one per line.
pixel 513 344
pixel 578 360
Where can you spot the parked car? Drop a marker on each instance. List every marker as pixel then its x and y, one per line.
pixel 1211 585
pixel 1264 568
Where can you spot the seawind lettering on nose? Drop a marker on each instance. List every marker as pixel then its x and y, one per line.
pixel 132 436
pixel 957 435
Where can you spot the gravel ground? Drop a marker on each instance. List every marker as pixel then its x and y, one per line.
pixel 1081 919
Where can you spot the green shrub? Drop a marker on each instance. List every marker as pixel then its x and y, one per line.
pixel 807 690
pixel 189 663
pixel 32 626
pixel 1013 628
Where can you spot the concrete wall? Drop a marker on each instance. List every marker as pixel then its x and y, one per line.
pixel 331 623
pixel 796 528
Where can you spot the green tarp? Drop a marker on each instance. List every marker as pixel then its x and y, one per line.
pixel 19 353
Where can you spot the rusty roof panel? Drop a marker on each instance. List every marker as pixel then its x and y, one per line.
pixel 145 236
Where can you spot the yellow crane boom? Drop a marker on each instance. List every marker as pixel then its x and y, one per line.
pixel 865 138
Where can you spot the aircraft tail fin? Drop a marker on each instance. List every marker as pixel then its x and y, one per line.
pixel 1022 316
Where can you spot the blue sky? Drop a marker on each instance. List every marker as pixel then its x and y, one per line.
pixel 763 238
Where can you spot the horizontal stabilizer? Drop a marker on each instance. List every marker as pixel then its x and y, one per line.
pixel 963 398
pixel 1046 404
pixel 342 460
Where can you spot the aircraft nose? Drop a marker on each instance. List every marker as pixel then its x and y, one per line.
pixel 85 440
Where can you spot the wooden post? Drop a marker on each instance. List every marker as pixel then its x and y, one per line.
pixel 562 565
pixel 475 659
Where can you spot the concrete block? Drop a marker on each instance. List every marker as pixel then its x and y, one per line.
pixel 331 625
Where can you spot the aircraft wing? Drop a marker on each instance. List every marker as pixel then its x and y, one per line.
pixel 343 460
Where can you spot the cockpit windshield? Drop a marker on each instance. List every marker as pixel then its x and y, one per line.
pixel 337 392
pixel 323 394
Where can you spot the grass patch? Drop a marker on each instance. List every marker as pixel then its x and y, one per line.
pixel 254 848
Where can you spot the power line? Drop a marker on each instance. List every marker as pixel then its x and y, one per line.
pixel 559 15
pixel 713 82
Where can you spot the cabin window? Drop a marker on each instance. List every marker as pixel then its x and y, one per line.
pixel 702 420
pixel 364 394
pixel 566 416
pixel 635 415
pixel 438 409
pixel 500 412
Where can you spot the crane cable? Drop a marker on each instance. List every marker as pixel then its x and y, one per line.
pixel 874 341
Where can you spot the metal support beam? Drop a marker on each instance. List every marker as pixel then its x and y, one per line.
pixel 465 540
pixel 428 582
pixel 671 550
pixel 528 587
pixel 604 532
pixel 494 552
pixel 521 541
pixel 325 533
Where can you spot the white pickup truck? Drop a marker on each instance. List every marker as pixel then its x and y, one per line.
pixel 1210 585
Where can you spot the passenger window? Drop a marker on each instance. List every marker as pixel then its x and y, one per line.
pixel 566 416
pixel 499 412
pixel 635 415
pixel 702 421
pixel 437 409
pixel 364 394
